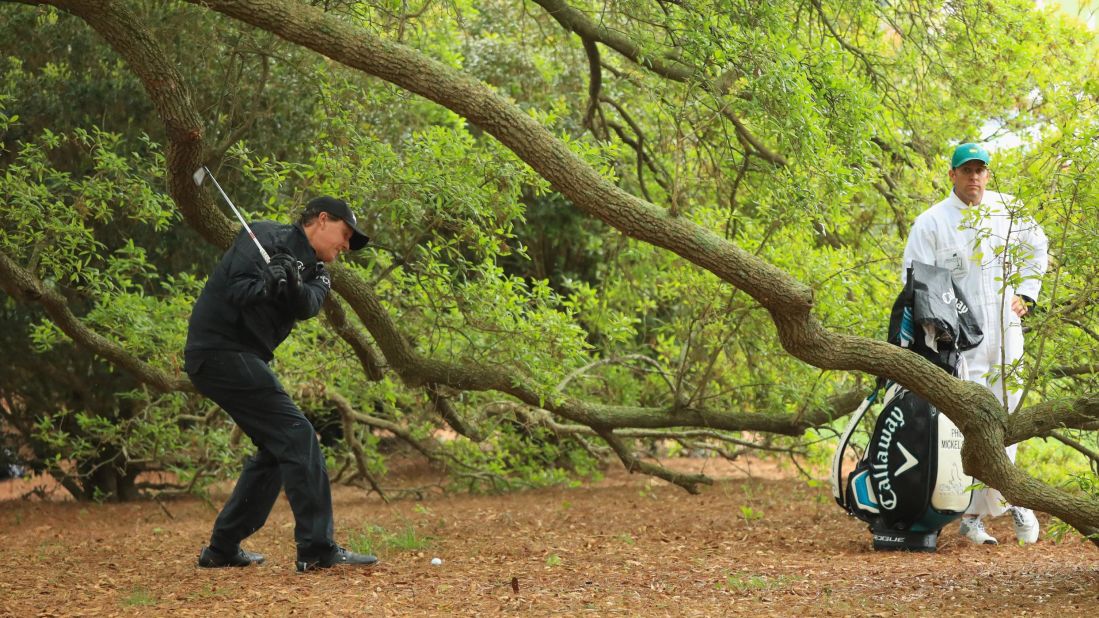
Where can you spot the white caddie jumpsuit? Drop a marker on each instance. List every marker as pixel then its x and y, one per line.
pixel 973 253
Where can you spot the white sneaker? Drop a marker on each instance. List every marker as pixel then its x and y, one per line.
pixel 972 529
pixel 1026 524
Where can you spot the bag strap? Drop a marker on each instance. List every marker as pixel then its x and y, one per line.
pixel 845 438
pixel 841 449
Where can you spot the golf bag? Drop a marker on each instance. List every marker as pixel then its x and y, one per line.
pixel 909 482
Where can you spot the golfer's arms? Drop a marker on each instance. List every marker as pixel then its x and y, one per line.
pixel 245 283
pixel 312 295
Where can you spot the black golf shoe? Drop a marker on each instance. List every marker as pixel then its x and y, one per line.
pixel 210 558
pixel 336 558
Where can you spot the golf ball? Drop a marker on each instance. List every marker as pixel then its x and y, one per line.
pixel 436 561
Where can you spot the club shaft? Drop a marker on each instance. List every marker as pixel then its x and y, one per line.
pixel 262 251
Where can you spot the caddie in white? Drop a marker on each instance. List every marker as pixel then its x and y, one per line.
pixel 980 238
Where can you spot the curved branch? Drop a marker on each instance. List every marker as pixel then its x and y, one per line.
pixel 1093 457
pixel 446 410
pixel 24 286
pixel 573 20
pixel 758 148
pixel 858 53
pixel 642 159
pixel 595 81
pixel 1043 418
pixel 428 447
pixel 425 448
pixel 677 435
pixel 730 223
pixel 689 482
pixel 638 145
pixel 613 361
pixel 1089 332
pixel 347 417
pixel 1072 371
pixel 337 318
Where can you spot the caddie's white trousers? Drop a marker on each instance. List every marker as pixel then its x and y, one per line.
pixel 986 367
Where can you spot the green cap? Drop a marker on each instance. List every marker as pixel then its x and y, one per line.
pixel 968 152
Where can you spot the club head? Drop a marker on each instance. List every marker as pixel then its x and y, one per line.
pixel 199 176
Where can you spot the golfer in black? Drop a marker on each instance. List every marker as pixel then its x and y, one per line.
pixel 246 310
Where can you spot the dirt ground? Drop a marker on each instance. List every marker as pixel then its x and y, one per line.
pixel 758 543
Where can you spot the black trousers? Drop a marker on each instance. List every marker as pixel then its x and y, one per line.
pixel 289 455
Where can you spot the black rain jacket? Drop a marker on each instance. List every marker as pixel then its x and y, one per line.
pixel 235 313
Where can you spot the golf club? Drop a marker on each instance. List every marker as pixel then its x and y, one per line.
pixel 199 176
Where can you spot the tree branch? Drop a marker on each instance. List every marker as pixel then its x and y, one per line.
pixel 689 482
pixel 1043 418
pixel 446 410
pixel 23 285
pixel 1072 371
pixel 337 318
pixel 573 20
pixel 1093 457
pixel 347 416
pixel 659 175
pixel 595 80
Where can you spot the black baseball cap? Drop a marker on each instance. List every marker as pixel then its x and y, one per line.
pixel 340 210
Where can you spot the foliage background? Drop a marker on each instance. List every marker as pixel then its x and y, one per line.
pixel 481 261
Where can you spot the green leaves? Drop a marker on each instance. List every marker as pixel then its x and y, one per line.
pixel 51 216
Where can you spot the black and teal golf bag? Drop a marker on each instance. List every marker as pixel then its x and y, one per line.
pixel 909 482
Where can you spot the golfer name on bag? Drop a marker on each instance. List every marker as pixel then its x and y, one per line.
pixel 954 441
pixel 887 498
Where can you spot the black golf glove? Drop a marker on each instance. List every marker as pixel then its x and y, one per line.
pixel 275 276
pixel 293 273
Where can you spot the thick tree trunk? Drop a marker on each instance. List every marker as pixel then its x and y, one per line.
pixel 109 484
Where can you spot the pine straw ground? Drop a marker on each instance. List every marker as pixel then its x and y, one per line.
pixel 758 543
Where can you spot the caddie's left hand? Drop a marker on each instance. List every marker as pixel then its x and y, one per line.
pixel 1020 305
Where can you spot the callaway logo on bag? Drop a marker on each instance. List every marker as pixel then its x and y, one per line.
pixel 910 483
